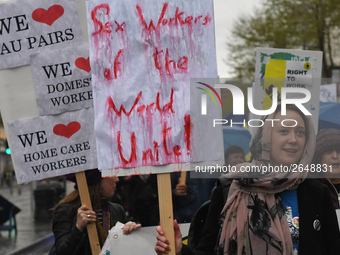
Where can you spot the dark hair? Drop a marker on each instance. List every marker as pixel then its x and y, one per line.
pixel 92 177
pixel 74 199
pixel 231 150
pixel 326 140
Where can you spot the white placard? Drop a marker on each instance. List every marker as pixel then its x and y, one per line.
pixel 287 68
pixel 50 146
pixel 143 239
pixel 62 80
pixel 143 55
pixel 30 26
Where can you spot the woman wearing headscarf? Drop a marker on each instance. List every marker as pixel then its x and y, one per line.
pixel 278 212
pixel 70 217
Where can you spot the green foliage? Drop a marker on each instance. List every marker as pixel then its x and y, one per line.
pixel 287 24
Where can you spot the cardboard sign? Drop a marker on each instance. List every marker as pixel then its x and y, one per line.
pixel 142 238
pixel 287 68
pixel 49 146
pixel 142 57
pixel 31 26
pixel 62 80
pixel 294 74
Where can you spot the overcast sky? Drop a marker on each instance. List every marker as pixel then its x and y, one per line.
pixel 226 12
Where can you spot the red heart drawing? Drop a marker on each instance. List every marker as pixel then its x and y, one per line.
pixel 48 17
pixel 83 64
pixel 67 131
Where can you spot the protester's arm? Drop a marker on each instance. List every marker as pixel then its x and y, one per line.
pixel 68 237
pixel 118 214
pixel 209 235
pixel 180 190
pixel 163 244
pixel 177 188
pixel 84 216
pixel 130 226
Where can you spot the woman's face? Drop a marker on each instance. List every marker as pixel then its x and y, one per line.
pixel 108 186
pixel 287 143
pixel 332 158
pixel 235 158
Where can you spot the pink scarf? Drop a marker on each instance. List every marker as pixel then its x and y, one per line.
pixel 254 218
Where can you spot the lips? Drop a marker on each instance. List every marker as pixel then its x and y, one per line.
pixel 335 165
pixel 290 151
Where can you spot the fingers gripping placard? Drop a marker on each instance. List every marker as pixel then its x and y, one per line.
pixel 85 200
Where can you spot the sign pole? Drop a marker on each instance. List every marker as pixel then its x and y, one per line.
pixel 165 209
pixel 183 178
pixel 85 200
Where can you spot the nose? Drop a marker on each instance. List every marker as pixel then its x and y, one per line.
pixel 335 154
pixel 292 137
pixel 240 160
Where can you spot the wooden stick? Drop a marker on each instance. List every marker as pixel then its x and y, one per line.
pixel 165 209
pixel 183 177
pixel 85 200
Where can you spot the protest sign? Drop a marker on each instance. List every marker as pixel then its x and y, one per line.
pixel 28 27
pixel 142 238
pixel 49 146
pixel 143 55
pixel 142 58
pixel 156 62
pixel 279 68
pixel 62 80
pixel 31 27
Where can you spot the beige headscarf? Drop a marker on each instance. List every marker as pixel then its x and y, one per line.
pixel 255 221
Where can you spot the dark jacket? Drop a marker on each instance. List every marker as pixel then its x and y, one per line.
pixel 144 200
pixel 69 240
pixel 315 205
pixel 333 191
pixel 198 192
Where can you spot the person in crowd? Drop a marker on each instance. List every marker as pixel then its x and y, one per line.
pixel 189 196
pixel 70 216
pixel 277 212
pixel 233 155
pixel 6 177
pixel 327 154
pixel 144 199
